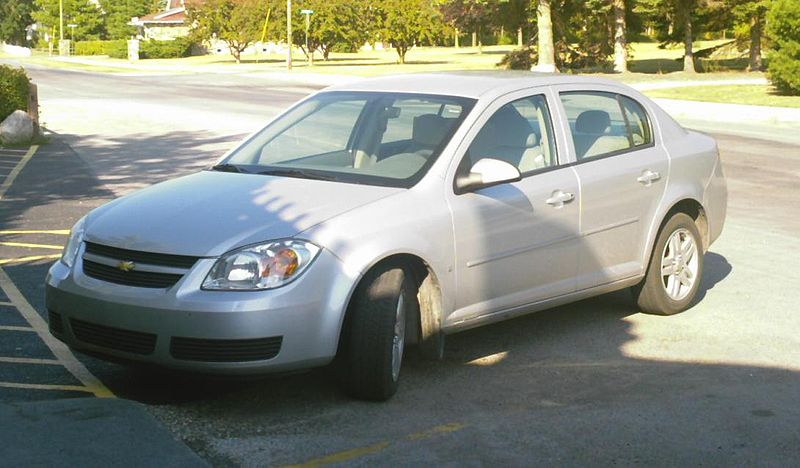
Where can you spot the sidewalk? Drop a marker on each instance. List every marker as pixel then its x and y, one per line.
pixel 88 432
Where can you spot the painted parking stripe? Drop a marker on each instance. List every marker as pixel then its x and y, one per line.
pixel 3 303
pixel 32 246
pixel 14 328
pixel 32 258
pixel 20 360
pixel 17 169
pixel 59 349
pixel 62 388
pixel 356 453
pixel 61 232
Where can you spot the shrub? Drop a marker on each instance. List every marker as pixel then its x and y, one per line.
pixel 180 47
pixel 114 49
pixel 784 61
pixel 519 59
pixel 14 89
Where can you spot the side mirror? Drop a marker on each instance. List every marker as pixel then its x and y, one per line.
pixel 486 173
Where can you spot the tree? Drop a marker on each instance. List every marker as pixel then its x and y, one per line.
pixel 546 50
pixel 784 29
pixel 406 23
pixel 749 17
pixel 238 23
pixel 84 14
pixel 119 13
pixel 470 15
pixel 677 21
pixel 15 15
pixel 343 23
pixel 620 39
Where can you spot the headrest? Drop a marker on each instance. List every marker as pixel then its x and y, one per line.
pixel 429 129
pixel 592 121
pixel 511 128
pixel 533 140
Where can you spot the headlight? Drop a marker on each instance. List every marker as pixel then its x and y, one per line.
pixel 264 266
pixel 73 244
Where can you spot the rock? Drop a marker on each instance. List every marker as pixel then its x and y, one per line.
pixel 17 129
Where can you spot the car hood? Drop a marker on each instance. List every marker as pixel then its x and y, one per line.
pixel 209 213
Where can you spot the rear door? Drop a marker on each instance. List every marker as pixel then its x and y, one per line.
pixel 622 174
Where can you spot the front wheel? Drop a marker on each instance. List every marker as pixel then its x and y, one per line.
pixel 676 267
pixel 377 333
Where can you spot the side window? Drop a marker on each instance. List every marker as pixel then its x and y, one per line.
pixel 597 123
pixel 520 133
pixel 638 121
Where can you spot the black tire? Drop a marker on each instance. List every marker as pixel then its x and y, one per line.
pixel 651 294
pixel 371 331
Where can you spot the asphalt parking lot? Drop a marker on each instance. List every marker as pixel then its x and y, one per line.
pixel 592 383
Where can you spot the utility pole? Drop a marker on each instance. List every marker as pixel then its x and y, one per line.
pixel 308 25
pixel 288 34
pixel 61 19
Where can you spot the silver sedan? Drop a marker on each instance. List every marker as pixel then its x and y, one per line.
pixel 389 213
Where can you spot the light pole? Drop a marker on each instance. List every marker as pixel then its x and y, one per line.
pixel 288 34
pixel 61 19
pixel 310 53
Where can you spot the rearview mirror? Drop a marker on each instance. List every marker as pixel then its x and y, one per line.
pixel 487 172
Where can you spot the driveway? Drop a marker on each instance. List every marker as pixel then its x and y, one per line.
pixel 594 382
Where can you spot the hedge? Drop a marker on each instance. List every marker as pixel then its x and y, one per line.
pixel 114 49
pixel 14 89
pixel 152 49
pixel 180 47
pixel 783 26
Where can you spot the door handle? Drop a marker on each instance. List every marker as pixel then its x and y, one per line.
pixel 559 198
pixel 648 177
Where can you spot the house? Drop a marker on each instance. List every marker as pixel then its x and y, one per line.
pixel 165 25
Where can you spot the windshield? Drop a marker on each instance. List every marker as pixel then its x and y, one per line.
pixel 386 139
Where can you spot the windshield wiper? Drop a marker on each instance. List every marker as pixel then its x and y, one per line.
pixel 228 167
pixel 300 174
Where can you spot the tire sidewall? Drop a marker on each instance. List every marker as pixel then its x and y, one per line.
pixel 653 284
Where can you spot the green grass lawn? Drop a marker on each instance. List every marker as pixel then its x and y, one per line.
pixel 759 95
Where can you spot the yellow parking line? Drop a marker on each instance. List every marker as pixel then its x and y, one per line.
pixel 63 388
pixel 16 360
pixel 62 232
pixel 435 431
pixel 350 455
pixel 32 258
pixel 59 349
pixel 33 246
pixel 13 328
pixel 17 169
pixel 342 457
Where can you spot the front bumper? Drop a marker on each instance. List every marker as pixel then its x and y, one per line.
pixel 183 327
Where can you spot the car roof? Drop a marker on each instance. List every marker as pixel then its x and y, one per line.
pixel 471 84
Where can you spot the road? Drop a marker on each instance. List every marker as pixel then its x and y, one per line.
pixel 592 383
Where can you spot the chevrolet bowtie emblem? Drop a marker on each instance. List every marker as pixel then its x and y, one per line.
pixel 126 266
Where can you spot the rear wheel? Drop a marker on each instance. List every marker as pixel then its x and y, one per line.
pixel 377 333
pixel 675 269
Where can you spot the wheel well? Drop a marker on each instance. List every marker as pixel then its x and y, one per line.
pixel 696 211
pixel 426 319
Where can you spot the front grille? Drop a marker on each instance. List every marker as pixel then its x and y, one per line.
pixel 149 258
pixel 56 324
pixel 113 338
pixel 142 279
pixel 198 349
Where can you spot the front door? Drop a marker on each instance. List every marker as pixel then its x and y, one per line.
pixel 515 243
